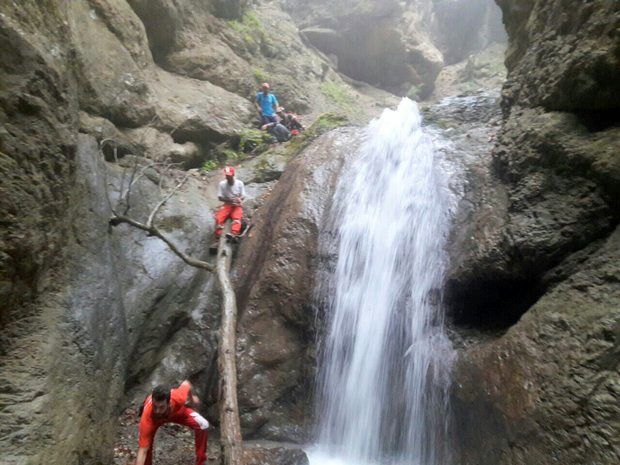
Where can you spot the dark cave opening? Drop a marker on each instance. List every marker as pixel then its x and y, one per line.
pixel 598 120
pixel 493 304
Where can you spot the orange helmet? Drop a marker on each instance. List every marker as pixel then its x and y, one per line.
pixel 229 171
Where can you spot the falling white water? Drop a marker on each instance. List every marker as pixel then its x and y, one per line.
pixel 385 359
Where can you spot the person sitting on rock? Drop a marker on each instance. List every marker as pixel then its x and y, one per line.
pixel 290 121
pixel 266 103
pixel 277 130
pixel 231 191
pixel 166 405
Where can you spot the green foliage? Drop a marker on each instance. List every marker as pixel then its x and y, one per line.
pixel 250 30
pixel 338 94
pixel 250 21
pixel 253 141
pixel 210 165
pixel 260 76
pixel 231 155
pixel 248 24
pixel 324 123
pixel 414 92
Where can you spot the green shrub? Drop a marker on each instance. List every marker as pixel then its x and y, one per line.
pixel 210 165
pixel 232 155
pixel 260 75
pixel 253 141
pixel 324 123
pixel 250 30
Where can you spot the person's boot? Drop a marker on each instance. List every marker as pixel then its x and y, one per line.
pixel 214 246
pixel 232 238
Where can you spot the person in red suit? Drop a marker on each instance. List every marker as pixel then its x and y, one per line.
pixel 166 405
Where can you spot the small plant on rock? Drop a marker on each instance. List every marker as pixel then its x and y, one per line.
pixel 338 94
pixel 210 165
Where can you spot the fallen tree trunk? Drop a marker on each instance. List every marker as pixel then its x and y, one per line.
pixel 230 428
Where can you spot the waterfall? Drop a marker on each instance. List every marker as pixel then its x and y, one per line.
pixel 384 356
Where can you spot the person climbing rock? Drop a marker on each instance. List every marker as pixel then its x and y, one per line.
pixel 231 191
pixel 277 130
pixel 290 121
pixel 266 103
pixel 166 405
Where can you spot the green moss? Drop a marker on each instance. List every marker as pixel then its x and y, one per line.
pixel 232 155
pixel 250 20
pixel 338 94
pixel 253 141
pixel 324 123
pixel 250 30
pixel 260 76
pixel 414 92
pixel 210 165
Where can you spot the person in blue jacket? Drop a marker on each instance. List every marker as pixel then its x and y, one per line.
pixel 266 103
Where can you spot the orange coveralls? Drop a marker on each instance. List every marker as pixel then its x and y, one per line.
pixel 178 413
pixel 234 212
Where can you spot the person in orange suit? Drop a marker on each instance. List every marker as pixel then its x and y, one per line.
pixel 231 191
pixel 166 405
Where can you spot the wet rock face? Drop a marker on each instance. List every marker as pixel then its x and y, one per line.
pixel 536 276
pixel 275 275
pixel 122 311
pixel 378 42
pixel 548 391
pixel 563 55
pixel 38 115
pixel 559 175
pixel 79 303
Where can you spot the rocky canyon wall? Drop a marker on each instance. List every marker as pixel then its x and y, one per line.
pixel 395 45
pixel 91 315
pixel 535 286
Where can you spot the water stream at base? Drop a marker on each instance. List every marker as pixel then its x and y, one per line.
pixel 384 358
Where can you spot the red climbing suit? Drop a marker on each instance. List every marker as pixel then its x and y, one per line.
pixel 234 212
pixel 178 413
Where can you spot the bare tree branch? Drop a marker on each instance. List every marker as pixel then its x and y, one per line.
pixel 149 222
pixel 153 231
pixel 131 182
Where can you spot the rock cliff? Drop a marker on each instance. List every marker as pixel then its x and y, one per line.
pixel 275 273
pixel 398 46
pixel 91 315
pixel 535 276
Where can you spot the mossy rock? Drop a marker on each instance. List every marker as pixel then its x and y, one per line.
pixel 253 141
pixel 324 123
pixel 338 94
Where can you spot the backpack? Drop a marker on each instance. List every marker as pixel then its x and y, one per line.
pixel 280 132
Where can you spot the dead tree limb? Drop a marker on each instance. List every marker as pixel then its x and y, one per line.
pixel 153 231
pixel 230 429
